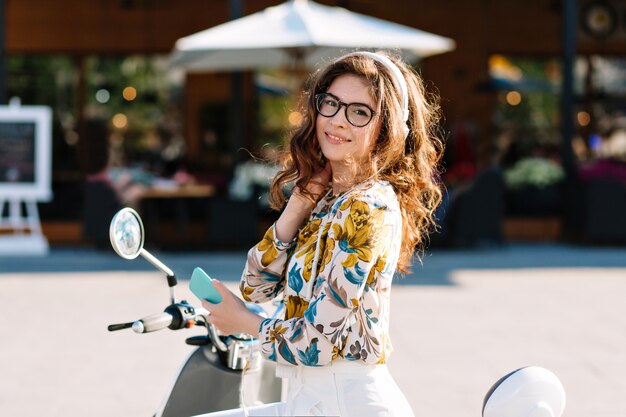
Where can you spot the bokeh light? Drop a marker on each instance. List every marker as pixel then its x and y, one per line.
pixel 513 98
pixel 295 118
pixel 103 96
pixel 120 121
pixel 583 118
pixel 129 93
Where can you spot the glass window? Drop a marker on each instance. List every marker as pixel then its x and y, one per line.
pixel 526 114
pixel 600 108
pixel 137 97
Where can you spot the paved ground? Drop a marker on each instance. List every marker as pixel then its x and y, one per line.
pixel 458 323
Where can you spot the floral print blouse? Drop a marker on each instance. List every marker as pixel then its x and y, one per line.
pixel 336 278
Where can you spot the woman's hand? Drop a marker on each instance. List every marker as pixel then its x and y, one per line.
pixel 299 206
pixel 231 315
pixel 319 182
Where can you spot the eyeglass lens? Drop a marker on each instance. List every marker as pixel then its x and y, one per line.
pixel 357 114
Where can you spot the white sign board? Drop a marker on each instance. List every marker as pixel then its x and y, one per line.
pixel 25 152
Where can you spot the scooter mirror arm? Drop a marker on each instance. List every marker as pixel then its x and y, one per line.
pixel 154 261
pixel 171 278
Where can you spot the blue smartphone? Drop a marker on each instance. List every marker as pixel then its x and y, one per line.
pixel 202 286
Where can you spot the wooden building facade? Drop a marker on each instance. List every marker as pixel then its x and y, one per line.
pixel 480 28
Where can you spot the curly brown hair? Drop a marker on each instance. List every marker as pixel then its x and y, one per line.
pixel 410 164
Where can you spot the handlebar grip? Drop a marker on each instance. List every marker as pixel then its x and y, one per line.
pixel 120 326
pixel 152 323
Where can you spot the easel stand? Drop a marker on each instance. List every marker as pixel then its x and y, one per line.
pixel 20 231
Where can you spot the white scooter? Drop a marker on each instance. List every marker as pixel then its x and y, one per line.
pixel 212 377
pixel 532 391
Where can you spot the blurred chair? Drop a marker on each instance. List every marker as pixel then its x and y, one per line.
pixel 100 203
pixel 604 206
pixel 475 212
pixel 100 199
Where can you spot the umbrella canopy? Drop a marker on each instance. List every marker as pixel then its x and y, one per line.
pixel 299 33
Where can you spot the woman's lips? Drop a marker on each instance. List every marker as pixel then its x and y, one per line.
pixel 334 139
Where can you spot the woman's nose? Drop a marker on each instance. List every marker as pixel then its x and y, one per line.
pixel 339 119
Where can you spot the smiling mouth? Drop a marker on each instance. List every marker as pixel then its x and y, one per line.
pixel 337 139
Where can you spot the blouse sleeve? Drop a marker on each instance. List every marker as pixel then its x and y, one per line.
pixel 354 244
pixel 262 278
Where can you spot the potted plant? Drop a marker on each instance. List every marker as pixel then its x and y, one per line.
pixel 534 187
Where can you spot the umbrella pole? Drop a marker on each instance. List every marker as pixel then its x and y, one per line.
pixel 236 110
pixel 299 70
pixel 237 116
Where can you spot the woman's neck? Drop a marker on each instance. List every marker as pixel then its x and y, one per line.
pixel 339 188
pixel 344 177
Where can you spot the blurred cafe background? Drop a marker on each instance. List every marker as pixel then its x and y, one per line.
pixel 533 93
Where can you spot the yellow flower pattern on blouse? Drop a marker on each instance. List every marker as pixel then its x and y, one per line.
pixel 295 306
pixel 339 307
pixel 267 247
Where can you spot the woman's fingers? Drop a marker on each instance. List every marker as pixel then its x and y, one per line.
pixel 318 183
pixel 206 304
pixel 231 315
pixel 221 288
pixel 225 315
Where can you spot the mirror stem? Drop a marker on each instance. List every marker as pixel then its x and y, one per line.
pixel 154 261
pixel 171 279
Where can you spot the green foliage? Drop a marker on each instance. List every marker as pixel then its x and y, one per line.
pixel 273 118
pixel 533 122
pixel 65 82
pixel 41 80
pixel 538 172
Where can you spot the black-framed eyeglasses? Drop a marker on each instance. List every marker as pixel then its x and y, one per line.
pixel 357 114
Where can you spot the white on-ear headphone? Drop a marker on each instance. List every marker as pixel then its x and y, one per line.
pixel 404 92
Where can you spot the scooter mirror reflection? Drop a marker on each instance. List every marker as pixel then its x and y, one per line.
pixel 126 233
pixel 127 236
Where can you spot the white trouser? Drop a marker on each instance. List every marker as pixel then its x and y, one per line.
pixel 341 389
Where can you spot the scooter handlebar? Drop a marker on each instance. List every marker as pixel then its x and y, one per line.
pixel 120 326
pixel 152 323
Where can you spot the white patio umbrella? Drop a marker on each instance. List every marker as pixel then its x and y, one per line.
pixel 299 33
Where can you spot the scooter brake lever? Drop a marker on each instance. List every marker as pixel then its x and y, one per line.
pixel 215 339
pixel 217 342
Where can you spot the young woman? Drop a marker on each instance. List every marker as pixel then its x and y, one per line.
pixel 364 167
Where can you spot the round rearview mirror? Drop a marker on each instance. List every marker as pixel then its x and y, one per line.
pixel 126 233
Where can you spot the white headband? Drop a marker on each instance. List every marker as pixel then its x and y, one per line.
pixel 399 80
